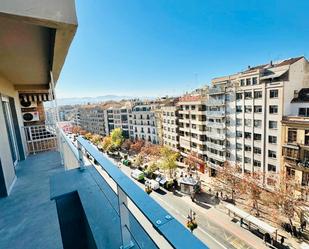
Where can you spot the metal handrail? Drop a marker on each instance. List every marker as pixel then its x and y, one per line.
pixel 164 224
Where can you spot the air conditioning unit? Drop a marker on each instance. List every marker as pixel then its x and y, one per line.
pixel 31 116
pixel 28 104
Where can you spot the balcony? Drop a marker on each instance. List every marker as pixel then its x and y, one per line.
pixel 219 114
pixel 215 146
pixel 215 125
pixel 108 208
pixel 214 135
pixel 215 102
pixel 216 90
pixel 215 156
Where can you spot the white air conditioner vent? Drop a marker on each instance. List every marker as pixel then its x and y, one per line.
pixel 31 116
pixel 28 104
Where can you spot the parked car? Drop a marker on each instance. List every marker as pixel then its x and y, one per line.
pixel 161 179
pixel 137 175
pixel 154 185
pixel 126 162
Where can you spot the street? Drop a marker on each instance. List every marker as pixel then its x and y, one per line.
pixel 179 205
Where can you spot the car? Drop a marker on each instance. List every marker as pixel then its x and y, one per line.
pixel 154 185
pixel 137 175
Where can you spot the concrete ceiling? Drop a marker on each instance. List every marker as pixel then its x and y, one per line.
pixel 25 52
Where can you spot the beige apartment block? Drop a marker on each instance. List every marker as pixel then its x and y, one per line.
pixel 170 126
pixel 192 124
pixel 143 121
pixel 295 141
pixel 246 110
pixel 91 119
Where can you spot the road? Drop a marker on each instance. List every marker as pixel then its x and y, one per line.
pixel 179 206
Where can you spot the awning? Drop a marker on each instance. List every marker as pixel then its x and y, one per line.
pixel 35 97
pixel 274 75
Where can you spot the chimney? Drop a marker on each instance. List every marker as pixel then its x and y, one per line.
pixel 271 63
pixel 249 67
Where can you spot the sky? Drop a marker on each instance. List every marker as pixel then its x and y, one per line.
pixel 168 47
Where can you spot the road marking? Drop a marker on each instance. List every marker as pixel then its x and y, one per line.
pixel 185 217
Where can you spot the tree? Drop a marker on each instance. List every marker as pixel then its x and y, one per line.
pixel 126 145
pixel 168 160
pixel 96 139
pixel 285 198
pixel 76 129
pixel 152 167
pixel 117 138
pixel 138 160
pixel 151 151
pixel 107 143
pixel 252 184
pixel 229 176
pixel 193 161
pixel 137 146
pixel 88 136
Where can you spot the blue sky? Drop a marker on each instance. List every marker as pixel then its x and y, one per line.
pixel 167 47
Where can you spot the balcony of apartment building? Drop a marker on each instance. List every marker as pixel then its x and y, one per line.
pixel 215 90
pixel 215 113
pixel 213 134
pixel 215 102
pixel 212 123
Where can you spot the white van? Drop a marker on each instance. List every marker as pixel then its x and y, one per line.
pixel 154 185
pixel 137 175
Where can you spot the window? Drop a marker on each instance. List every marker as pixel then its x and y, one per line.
pixel 303 112
pixel 248 122
pixel 238 121
pixel 307 142
pixel 248 82
pixel 254 80
pixel 271 168
pixel 256 163
pixel 238 134
pixel 272 124
pixel 248 109
pixel 247 160
pixel 238 108
pixel 257 137
pixel 273 109
pixel 242 82
pixel 273 94
pixel 258 109
pixel 192 107
pixel 257 94
pixel 238 96
pixel 258 123
pixel 248 95
pixel 272 154
pixel 257 150
pixel 247 148
pixel 247 135
pixel 272 139
pixel 292 135
pixel 238 146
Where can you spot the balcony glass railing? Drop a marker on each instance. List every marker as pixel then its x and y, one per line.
pixel 215 113
pixel 144 223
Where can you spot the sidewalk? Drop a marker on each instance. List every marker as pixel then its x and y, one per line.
pixel 206 182
pixel 221 219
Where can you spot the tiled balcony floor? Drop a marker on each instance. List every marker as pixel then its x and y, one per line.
pixel 28 219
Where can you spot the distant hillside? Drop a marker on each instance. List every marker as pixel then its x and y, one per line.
pixel 85 100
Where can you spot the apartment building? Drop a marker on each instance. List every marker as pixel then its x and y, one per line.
pixel 91 119
pixel 249 107
pixel 118 115
pixel 192 124
pixel 295 141
pixel 143 121
pixel 170 130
